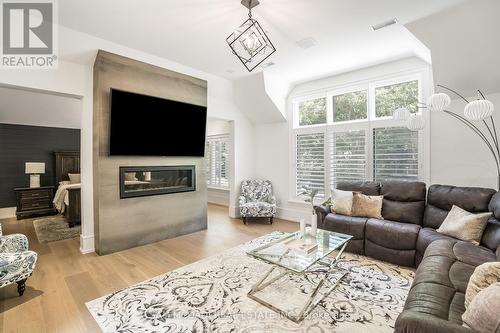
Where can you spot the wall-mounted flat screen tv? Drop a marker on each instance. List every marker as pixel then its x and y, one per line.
pixel 150 126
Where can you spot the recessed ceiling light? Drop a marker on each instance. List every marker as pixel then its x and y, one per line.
pixel 306 43
pixel 384 24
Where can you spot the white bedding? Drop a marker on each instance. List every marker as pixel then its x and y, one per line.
pixel 61 198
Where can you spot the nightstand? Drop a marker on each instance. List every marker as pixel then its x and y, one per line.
pixel 34 201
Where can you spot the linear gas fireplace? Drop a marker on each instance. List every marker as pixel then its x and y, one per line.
pixel 139 181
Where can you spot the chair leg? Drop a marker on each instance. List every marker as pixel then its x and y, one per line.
pixel 21 287
pixel 271 220
pixel 244 220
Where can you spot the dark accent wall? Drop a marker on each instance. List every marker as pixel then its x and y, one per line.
pixel 20 144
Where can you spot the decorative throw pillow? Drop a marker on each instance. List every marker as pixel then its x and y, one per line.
pixel 482 313
pixel 464 225
pixel 341 202
pixel 484 275
pixel 367 206
pixel 74 178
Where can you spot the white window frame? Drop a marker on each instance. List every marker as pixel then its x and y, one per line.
pixel 368 125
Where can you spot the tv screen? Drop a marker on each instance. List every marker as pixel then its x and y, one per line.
pixel 150 126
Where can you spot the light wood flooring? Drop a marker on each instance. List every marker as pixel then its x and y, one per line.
pixel 65 279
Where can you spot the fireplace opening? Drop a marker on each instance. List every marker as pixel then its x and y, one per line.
pixel 139 181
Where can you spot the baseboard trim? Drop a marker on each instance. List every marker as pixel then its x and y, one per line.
pixel 234 212
pixel 289 214
pixel 87 244
pixel 7 212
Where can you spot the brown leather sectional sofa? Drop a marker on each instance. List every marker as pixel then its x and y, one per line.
pixel 407 236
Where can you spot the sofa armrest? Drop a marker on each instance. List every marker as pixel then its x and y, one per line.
pixel 13 243
pixel 322 211
pixel 418 322
pixel 242 200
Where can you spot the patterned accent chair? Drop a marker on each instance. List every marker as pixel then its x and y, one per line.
pixel 16 261
pixel 257 200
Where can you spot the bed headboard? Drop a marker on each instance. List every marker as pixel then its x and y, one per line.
pixel 66 162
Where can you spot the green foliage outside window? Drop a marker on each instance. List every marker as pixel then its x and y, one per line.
pixel 350 106
pixel 390 98
pixel 312 112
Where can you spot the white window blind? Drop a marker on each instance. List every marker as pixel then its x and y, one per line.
pixel 395 154
pixel 310 162
pixel 347 156
pixel 217 159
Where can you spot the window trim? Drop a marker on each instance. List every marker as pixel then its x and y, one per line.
pixel 421 75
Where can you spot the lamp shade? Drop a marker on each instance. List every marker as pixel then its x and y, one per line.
pixel 479 110
pixel 35 167
pixel 416 122
pixel 438 102
pixel 401 114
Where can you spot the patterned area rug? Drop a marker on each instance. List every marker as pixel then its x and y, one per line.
pixel 210 296
pixel 54 228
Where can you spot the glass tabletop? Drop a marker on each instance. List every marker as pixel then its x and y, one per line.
pixel 281 253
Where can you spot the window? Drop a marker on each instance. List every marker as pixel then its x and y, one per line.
pixel 395 154
pixel 392 97
pixel 312 112
pixel 310 162
pixel 348 156
pixel 354 137
pixel 217 159
pixel 350 106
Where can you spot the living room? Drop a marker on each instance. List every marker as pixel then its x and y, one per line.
pixel 265 166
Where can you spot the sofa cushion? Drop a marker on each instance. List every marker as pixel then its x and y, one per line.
pixel 350 225
pixel 403 201
pixel 437 294
pixel 440 199
pixel 391 241
pixel 391 234
pixel 425 237
pixel 367 188
pixel 491 234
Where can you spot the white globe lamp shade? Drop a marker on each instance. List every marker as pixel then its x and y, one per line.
pixel 401 114
pixel 416 122
pixel 479 110
pixel 438 102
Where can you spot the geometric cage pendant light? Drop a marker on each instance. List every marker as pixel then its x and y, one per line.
pixel 249 42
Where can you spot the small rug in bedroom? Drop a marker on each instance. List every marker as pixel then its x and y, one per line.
pixel 54 228
pixel 211 296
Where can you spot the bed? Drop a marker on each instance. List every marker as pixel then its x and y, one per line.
pixel 67 199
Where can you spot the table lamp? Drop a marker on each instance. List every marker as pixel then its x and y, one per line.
pixel 34 169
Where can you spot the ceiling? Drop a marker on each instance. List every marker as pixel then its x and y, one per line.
pixel 465 45
pixel 27 107
pixel 193 32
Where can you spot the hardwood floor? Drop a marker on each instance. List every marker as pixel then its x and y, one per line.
pixel 64 279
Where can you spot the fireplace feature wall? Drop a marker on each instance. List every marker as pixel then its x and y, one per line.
pixel 121 224
pixel 140 181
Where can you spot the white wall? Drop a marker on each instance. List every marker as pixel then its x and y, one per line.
pixel 217 127
pixel 273 140
pixel 458 155
pixel 75 76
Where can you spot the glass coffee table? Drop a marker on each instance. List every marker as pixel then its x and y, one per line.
pixel 295 267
